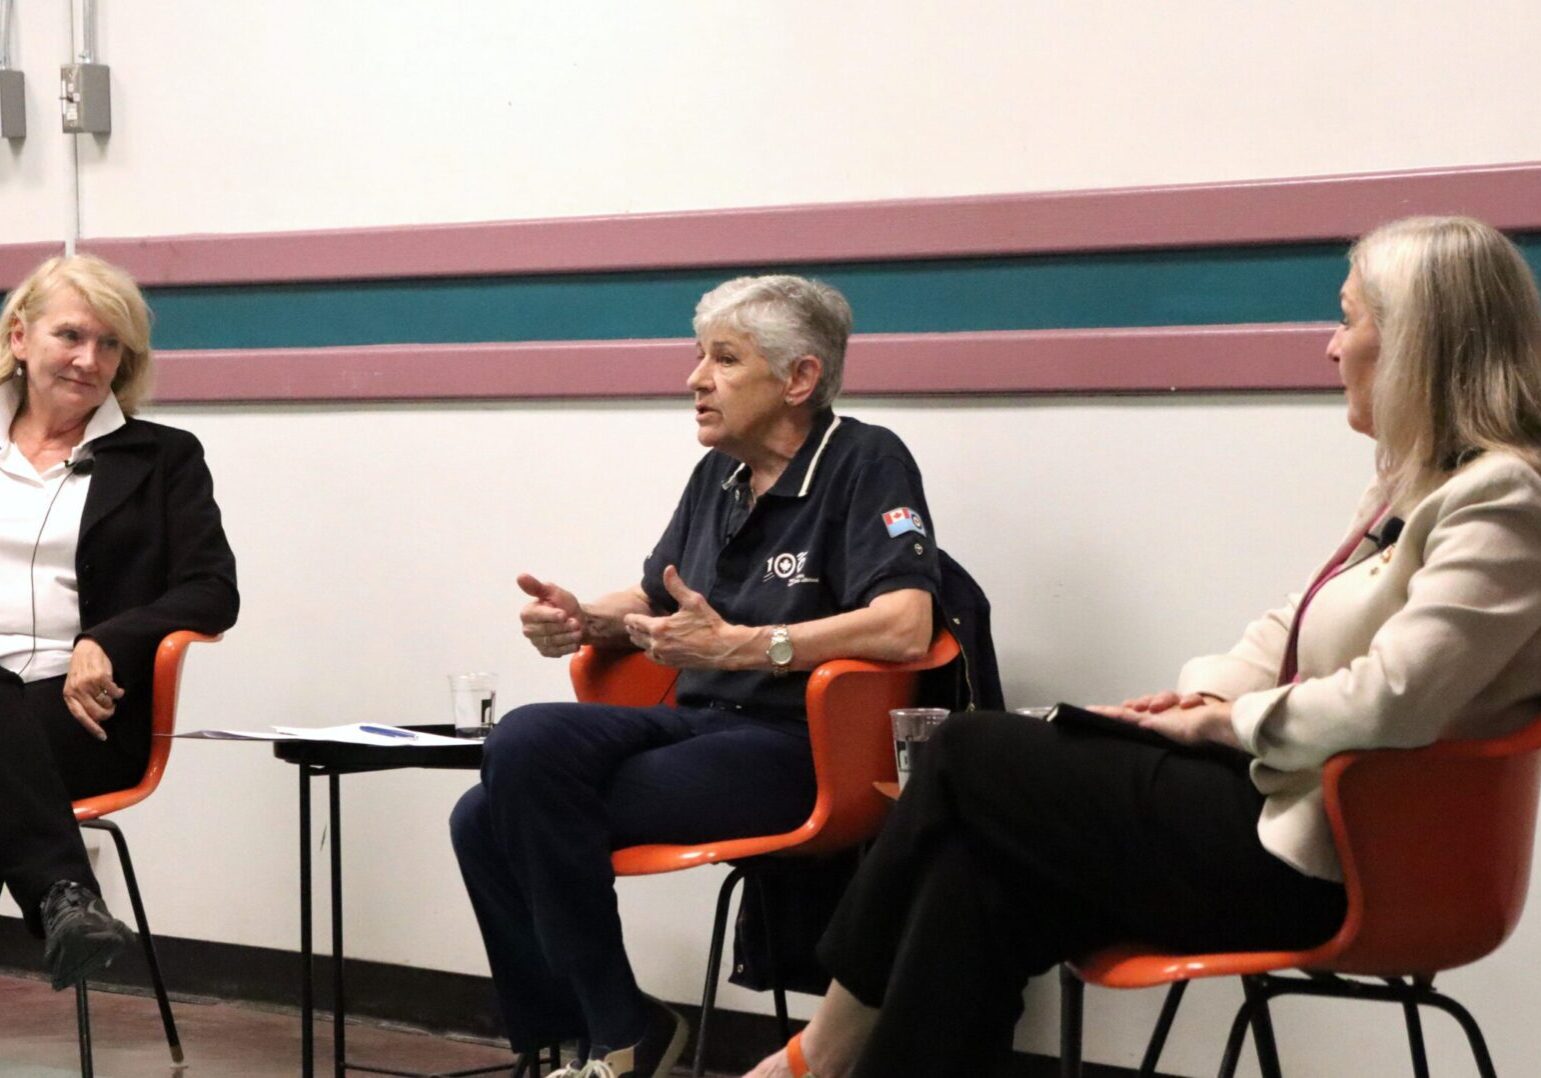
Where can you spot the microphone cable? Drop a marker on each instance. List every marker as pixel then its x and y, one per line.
pixel 72 467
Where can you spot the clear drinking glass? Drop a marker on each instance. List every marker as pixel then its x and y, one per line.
pixel 913 726
pixel 473 703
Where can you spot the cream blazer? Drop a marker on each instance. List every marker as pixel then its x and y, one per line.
pixel 1437 637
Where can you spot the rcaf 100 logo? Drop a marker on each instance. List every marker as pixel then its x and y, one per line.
pixel 789 567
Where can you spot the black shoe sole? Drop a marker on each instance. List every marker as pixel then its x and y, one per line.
pixel 82 956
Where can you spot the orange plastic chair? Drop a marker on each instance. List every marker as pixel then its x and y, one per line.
pixel 847 701
pixel 1435 845
pixel 89 812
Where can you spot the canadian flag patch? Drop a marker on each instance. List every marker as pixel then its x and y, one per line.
pixel 901 520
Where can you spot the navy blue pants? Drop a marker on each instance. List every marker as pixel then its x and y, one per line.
pixel 1019 844
pixel 565 784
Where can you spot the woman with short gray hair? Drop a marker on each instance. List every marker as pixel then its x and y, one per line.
pixel 787 317
pixel 802 536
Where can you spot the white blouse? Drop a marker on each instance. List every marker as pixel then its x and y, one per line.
pixel 40 517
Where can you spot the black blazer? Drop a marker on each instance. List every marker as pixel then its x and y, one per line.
pixel 152 556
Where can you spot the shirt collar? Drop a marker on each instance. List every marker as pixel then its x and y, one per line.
pixel 107 418
pixel 797 480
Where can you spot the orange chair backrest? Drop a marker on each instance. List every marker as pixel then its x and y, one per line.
pixel 848 701
pixel 852 740
pixel 1436 848
pixel 163 723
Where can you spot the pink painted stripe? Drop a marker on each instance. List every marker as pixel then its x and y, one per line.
pixel 19 259
pixel 1166 359
pixel 1313 208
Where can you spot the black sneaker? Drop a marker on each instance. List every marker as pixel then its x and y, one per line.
pixel 82 938
pixel 653 1056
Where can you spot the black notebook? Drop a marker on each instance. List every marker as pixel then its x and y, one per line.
pixel 1068 716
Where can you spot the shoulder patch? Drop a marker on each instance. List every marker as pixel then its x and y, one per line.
pixel 901 520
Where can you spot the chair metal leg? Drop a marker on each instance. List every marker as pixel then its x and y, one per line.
pixel 783 1019
pixel 1473 1031
pixel 1072 998
pixel 83 1029
pixel 146 940
pixel 1158 1036
pixel 714 966
pixel 1235 1039
pixel 1262 1026
pixel 530 1063
pixel 778 992
pixel 1414 1025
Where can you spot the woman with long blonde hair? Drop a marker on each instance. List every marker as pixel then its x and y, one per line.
pixel 1019 844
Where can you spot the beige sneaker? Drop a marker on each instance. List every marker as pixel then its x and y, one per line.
pixel 653 1056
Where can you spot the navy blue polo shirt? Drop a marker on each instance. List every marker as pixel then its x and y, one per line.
pixel 846 522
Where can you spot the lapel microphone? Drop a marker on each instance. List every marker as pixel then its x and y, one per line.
pixel 1389 531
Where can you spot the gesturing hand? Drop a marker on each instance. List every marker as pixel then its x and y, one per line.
pixel 554 621
pixel 694 635
pixel 89 691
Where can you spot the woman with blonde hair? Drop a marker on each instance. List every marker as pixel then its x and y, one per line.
pixel 1019 844
pixel 109 540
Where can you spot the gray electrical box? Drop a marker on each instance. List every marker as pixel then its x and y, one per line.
pixel 86 99
pixel 13 104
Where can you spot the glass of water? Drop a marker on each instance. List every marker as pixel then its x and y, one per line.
pixel 913 727
pixel 473 703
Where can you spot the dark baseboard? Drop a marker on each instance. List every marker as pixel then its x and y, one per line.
pixel 431 999
pixel 428 999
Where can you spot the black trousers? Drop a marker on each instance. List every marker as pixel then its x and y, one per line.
pixel 1018 845
pixel 48 760
pixel 565 784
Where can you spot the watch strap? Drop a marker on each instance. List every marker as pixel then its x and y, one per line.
pixel 780 653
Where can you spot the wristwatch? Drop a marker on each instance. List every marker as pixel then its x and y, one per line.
pixel 780 651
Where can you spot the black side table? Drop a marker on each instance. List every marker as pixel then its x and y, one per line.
pixel 334 759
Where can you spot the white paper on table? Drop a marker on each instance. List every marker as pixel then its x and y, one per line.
pixel 359 733
pixel 369 733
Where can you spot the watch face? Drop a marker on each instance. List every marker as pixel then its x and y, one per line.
pixel 780 651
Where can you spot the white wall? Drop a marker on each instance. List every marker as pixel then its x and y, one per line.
pixel 378 545
pixel 36 198
pixel 293 114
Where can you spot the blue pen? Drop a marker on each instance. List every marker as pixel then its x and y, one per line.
pixel 386 731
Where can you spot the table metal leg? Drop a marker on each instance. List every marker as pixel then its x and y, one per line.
pixel 307 980
pixel 339 999
pixel 308 953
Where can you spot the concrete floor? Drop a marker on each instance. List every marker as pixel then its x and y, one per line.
pixel 37 1039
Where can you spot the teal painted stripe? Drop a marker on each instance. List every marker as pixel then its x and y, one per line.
pixel 1279 283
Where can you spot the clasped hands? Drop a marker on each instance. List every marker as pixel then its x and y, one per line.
pixel 1191 719
pixel 89 691
pixel 695 635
